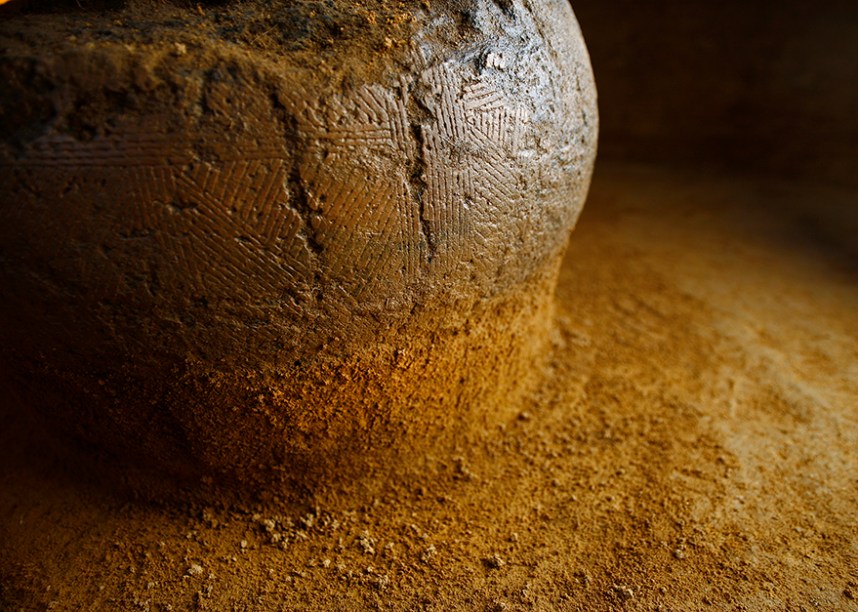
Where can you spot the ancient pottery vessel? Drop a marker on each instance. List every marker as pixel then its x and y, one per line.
pixel 285 242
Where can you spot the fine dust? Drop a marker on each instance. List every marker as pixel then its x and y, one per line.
pixel 691 446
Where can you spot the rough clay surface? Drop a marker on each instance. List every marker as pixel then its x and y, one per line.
pixel 691 447
pixel 282 240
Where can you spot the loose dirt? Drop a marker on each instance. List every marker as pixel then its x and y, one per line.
pixel 692 445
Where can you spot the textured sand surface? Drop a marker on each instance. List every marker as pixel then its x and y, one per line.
pixel 692 445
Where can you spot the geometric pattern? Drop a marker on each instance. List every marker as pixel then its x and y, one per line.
pixel 453 175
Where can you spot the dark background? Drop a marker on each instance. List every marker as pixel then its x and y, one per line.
pixel 764 86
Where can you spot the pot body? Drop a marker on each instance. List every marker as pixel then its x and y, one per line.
pixel 295 260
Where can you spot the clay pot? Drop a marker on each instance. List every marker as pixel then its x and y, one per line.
pixel 286 241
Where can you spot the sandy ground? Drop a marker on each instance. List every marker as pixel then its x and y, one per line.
pixel 694 446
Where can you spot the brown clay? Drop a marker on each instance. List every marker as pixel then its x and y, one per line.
pixel 284 240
